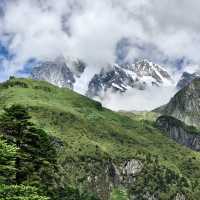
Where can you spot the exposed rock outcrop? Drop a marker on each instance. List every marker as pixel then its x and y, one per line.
pixel 60 72
pixel 125 173
pixel 186 79
pixel 178 131
pixel 180 197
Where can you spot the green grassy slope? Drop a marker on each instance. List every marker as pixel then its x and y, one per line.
pixel 92 133
pixel 141 115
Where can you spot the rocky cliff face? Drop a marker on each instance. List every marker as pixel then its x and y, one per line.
pixel 185 105
pixel 186 79
pixel 60 72
pixel 179 132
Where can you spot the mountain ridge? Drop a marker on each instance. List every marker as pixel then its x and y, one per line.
pixel 186 79
pixel 185 105
pixel 121 78
pixel 118 78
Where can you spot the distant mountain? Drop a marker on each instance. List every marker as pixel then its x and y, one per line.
pixel 60 72
pixel 186 78
pixel 118 78
pixel 185 105
pixel 126 76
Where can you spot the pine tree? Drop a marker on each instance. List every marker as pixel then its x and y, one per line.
pixel 14 124
pixel 35 160
pixel 8 191
pixel 7 162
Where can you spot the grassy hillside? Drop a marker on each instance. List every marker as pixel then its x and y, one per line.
pixel 93 136
pixel 141 115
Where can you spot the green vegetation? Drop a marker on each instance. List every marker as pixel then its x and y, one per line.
pixel 9 191
pixel 87 138
pixel 140 116
pixel 7 158
pixel 20 192
pixel 160 182
pixel 119 194
pixel 29 158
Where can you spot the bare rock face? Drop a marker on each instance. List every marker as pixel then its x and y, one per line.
pixel 178 131
pixel 180 197
pixel 132 167
pixel 56 73
pixel 125 173
pixel 186 79
pixel 59 72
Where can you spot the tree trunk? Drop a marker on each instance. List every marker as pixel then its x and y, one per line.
pixel 17 164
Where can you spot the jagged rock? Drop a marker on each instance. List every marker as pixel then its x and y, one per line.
pixel 132 167
pixel 78 67
pixel 178 131
pixel 60 72
pixel 116 79
pixel 186 79
pixel 124 173
pixel 55 73
pixel 148 196
pixel 180 197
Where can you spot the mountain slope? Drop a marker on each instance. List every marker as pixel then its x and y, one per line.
pixel 185 105
pixel 103 150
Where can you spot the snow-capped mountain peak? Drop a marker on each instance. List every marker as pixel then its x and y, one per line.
pixel 121 78
pixel 115 77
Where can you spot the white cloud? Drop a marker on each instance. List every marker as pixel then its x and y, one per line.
pixel 90 29
pixel 138 100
